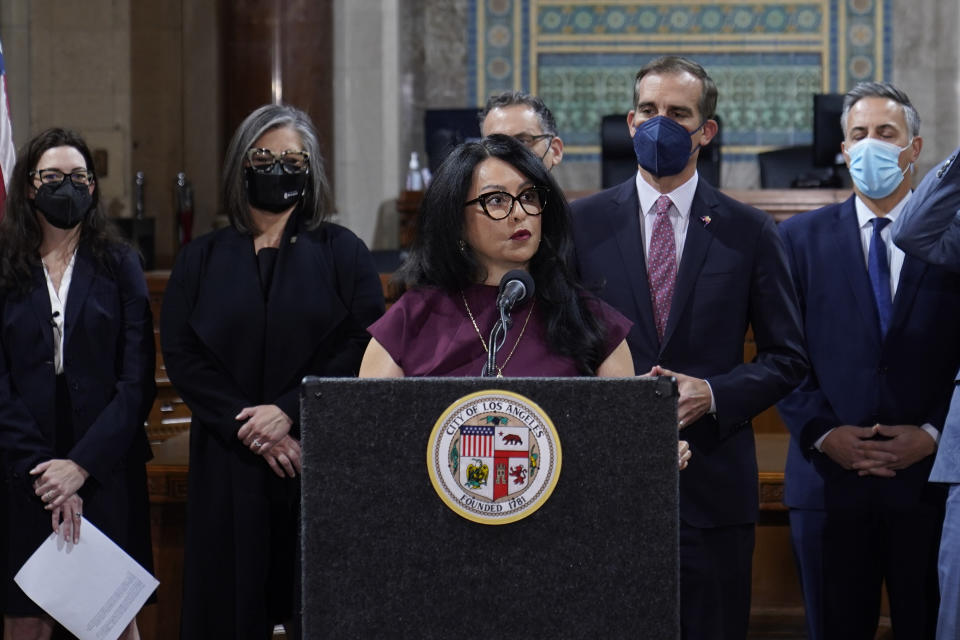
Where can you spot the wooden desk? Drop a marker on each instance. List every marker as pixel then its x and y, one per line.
pixel 169 415
pixel 783 203
pixel 167 486
pixel 779 203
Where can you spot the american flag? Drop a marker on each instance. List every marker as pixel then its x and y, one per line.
pixel 476 441
pixel 8 154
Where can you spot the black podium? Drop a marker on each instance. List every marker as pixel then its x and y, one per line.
pixel 385 556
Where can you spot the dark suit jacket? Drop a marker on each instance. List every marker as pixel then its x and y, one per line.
pixel 109 356
pixel 732 274
pixel 929 229
pixel 857 377
pixel 225 348
pixel 109 359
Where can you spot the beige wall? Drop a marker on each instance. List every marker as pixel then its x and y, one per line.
pixel 175 111
pixel 72 65
pixel 15 35
pixel 367 99
pixel 926 64
pixel 68 65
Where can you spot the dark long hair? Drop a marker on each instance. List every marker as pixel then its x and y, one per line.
pixel 436 258
pixel 315 203
pixel 20 232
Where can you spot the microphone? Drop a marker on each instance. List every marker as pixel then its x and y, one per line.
pixel 516 287
pixel 53 318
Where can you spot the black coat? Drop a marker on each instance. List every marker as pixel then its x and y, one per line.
pixel 109 358
pixel 226 348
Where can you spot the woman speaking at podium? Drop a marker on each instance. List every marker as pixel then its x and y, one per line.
pixel 492 207
pixel 248 312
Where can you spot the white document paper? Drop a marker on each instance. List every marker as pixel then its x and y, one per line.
pixel 93 588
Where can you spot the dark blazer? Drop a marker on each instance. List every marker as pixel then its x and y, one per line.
pixel 732 275
pixel 225 348
pixel 929 229
pixel 109 357
pixel 857 377
pixel 109 354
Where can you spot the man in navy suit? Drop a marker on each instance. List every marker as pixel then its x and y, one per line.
pixel 692 269
pixel 881 336
pixel 928 229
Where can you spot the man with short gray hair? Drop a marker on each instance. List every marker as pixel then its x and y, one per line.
pixel 866 421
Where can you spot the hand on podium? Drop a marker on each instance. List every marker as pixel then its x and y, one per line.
pixel 695 396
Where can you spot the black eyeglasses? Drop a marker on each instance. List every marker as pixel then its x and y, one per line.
pixel 262 160
pixel 530 141
pixel 55 177
pixel 499 204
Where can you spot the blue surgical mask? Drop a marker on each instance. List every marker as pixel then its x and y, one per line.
pixel 875 167
pixel 662 146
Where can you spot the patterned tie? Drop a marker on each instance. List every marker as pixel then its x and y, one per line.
pixel 662 264
pixel 879 270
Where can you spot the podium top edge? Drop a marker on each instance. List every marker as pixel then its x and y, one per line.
pixel 664 385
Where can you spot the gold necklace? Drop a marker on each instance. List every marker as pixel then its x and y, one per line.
pixel 484 342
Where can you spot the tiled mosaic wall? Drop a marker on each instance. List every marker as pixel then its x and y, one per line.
pixel 768 57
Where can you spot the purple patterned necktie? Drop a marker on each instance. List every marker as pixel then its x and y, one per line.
pixel 662 264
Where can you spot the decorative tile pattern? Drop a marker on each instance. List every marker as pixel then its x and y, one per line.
pixel 768 58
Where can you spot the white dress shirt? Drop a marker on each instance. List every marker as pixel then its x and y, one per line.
pixel 58 306
pixel 895 255
pixel 682 199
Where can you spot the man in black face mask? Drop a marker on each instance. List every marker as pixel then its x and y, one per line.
pixel 692 269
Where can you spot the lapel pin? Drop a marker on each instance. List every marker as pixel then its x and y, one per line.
pixel 705 220
pixel 293 239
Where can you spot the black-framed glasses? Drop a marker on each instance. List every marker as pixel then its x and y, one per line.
pixel 262 160
pixel 499 204
pixel 54 177
pixel 530 141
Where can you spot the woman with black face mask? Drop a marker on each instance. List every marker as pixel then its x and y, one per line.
pixel 76 369
pixel 250 310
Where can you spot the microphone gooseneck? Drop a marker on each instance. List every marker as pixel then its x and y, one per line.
pixel 516 287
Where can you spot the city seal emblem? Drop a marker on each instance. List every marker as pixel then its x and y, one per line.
pixel 494 457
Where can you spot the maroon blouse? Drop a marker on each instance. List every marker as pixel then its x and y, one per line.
pixel 428 333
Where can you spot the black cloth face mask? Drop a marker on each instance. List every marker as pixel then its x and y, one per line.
pixel 275 191
pixel 63 205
